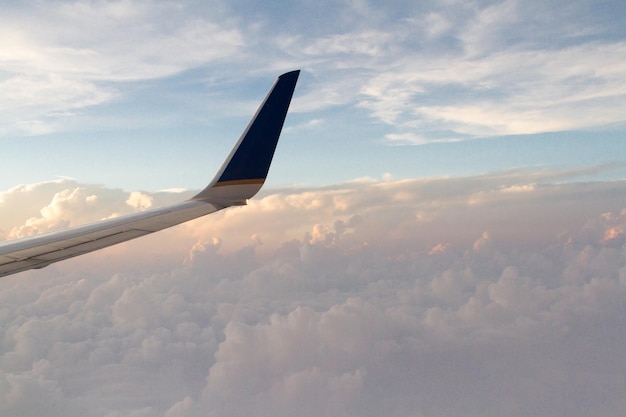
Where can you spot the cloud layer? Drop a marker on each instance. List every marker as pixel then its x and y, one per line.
pixel 487 295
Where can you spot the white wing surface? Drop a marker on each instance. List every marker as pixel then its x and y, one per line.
pixel 240 177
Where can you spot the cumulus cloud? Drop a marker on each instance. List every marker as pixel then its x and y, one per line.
pixel 36 208
pixel 427 297
pixel 139 200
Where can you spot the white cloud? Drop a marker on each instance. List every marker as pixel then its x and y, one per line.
pixel 437 24
pixel 486 28
pixel 482 70
pixel 416 139
pixel 139 200
pixel 91 40
pixel 68 56
pixel 36 208
pixel 365 43
pixel 367 298
pixel 445 71
pixel 511 92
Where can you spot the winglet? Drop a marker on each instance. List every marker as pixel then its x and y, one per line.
pixel 244 171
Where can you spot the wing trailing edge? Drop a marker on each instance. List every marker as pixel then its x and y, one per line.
pixel 241 176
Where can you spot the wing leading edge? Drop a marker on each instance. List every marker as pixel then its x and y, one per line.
pixel 240 177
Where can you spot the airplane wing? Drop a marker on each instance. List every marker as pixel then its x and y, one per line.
pixel 240 177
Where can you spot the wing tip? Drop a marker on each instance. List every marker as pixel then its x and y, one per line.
pixel 294 73
pixel 245 170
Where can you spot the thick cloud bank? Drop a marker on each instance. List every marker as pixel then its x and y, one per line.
pixel 494 295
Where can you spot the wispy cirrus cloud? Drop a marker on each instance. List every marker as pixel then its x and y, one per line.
pixel 478 71
pixel 472 70
pixel 513 92
pixel 64 57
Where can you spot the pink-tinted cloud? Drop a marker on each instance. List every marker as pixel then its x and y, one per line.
pixel 500 294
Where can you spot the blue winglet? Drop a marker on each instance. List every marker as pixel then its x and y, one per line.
pixel 244 171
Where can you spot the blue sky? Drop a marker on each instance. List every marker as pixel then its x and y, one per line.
pixel 152 95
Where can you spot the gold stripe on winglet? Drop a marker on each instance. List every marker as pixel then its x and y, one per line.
pixel 239 182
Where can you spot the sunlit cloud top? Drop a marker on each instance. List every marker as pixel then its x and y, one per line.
pixel 396 297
